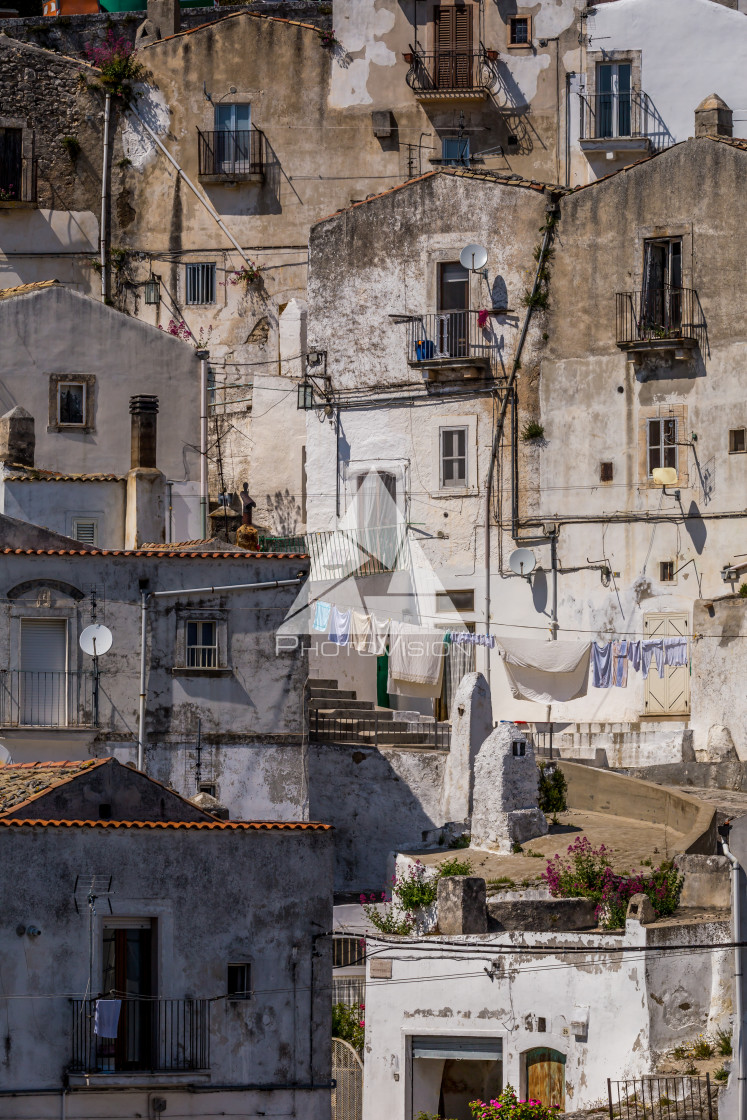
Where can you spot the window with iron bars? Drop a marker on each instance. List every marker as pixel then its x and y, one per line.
pixel 200 283
pixel 202 644
pixel 348 951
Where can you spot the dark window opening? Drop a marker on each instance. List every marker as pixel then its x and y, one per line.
pixel 541 1024
pixel 519 748
pixel 455 600
pixel 347 951
pixel 105 812
pixel 519 31
pixel 606 472
pixel 11 164
pixel 737 440
pixel 666 571
pixel 71 402
pixel 207 787
pixel 239 981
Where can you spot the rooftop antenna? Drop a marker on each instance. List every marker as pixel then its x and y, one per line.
pixel 96 887
pixel 198 764
pixel 96 640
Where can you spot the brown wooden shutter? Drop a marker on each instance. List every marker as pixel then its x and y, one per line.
pixel 463 48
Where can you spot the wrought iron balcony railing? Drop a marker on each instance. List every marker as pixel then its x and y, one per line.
pixel 657 316
pixel 54 699
pixel 361 551
pixel 153 1036
pixel 240 154
pixel 451 338
pixel 610 116
pixel 451 72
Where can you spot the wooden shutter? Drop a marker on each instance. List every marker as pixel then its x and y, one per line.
pixel 453 43
pixel 463 48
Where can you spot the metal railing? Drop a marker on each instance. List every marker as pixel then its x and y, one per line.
pixel 153 1035
pixel 53 699
pixel 451 70
pixel 658 314
pixel 372 729
pixel 610 116
pixel 283 544
pixel 363 551
pixel 451 334
pixel 661 1098
pixel 237 154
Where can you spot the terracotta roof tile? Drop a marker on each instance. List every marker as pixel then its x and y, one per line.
pixel 155 552
pixel 23 782
pixel 22 289
pixel 235 15
pixel 41 474
pixel 226 826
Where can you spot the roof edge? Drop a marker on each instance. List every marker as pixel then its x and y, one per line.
pixel 219 826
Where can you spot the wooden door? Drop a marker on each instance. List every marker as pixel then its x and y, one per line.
pixel 545 1069
pixel 668 695
pixel 453 42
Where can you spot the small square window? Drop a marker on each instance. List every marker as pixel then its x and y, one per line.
pixel 541 1024
pixel 453 458
pixel 348 951
pixel 666 571
pixel 520 31
pixel 737 441
pixel 455 600
pixel 239 981
pixel 71 403
pixel 455 151
pixel 202 644
pixel 519 748
pixel 86 530
pixel 606 472
pixel 207 787
pixel 200 284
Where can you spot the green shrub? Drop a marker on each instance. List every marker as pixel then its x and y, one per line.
pixel 702 1049
pixel 532 430
pixel 348 1023
pixel 743 591
pixel 461 841
pixel 723 1043
pixel 71 145
pixel 553 790
pixel 454 866
pixel 721 1074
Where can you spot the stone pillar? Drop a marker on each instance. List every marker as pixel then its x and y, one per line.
pixel 471 723
pixel 504 801
pixel 713 117
pixel 17 439
pixel 145 516
pixel 143 431
pixel 461 905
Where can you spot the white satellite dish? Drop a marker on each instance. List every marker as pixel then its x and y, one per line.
pixel 522 561
pixel 96 640
pixel 474 257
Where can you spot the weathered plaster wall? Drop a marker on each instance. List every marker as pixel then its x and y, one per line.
pixel 718 694
pixel 215 897
pixel 55 505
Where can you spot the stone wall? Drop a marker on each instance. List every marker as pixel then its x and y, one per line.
pixel 718 687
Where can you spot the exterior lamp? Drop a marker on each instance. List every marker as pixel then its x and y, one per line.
pixel 305 395
pixel 153 290
pixel 315 357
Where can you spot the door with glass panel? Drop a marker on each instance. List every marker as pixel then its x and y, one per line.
pixel 128 976
pixel 453 313
pixel 661 310
pixel 233 151
pixel 614 100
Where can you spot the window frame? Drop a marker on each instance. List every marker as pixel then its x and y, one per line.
pixel 670 574
pixel 511 24
pixel 442 457
pixel 660 421
pixel 213 646
pixel 733 450
pixel 56 381
pixel 462 158
pixel 194 283
pixel 239 994
pixel 447 604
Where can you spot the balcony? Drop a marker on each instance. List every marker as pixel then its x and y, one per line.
pixel 659 319
pixel 451 75
pixel 451 341
pixel 39 699
pixel 153 1036
pixel 232 157
pixel 362 551
pixel 618 124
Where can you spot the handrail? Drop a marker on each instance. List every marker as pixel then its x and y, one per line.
pixel 452 69
pixel 236 153
pixel 153 1035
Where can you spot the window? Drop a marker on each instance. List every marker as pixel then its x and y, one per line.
pixel 453 458
pixel 200 283
pixel 455 151
pixel 606 472
pixel 239 981
pixel 347 951
pixel 666 571
pixel 207 787
pixel 520 31
pixel 233 118
pixel 453 38
pixel 11 164
pixel 661 298
pixel 86 530
pixel 519 748
pixel 202 645
pixel 737 441
pixel 541 1024
pixel 105 811
pixel 613 116
pixel 661 443
pixel 455 600
pixel 71 403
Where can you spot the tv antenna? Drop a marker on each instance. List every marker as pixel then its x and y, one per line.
pixel 522 562
pixel 96 640
pixel 95 887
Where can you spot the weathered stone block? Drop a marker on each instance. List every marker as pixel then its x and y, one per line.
pixel 471 724
pixel 707 881
pixel 504 809
pixel 640 909
pixel 542 914
pixel 461 905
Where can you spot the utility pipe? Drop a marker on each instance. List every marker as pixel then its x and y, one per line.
pixel 104 195
pixel 499 431
pixel 145 596
pixel 210 209
pixel 736 910
pixel 554 564
pixel 203 355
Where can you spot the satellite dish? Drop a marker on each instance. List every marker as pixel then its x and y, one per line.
pixel 522 561
pixel 474 257
pixel 664 476
pixel 95 640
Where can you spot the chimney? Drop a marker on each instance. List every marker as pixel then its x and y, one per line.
pixel 163 19
pixel 144 426
pixel 17 438
pixel 713 117
pixel 146 486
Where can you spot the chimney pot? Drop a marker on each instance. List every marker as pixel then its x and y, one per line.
pixel 713 117
pixel 144 430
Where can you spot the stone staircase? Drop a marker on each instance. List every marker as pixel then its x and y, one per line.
pixel 337 715
pixel 623 745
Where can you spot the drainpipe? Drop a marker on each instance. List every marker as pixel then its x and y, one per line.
pixel 210 209
pixel 499 432
pixel 104 196
pixel 203 356
pixel 141 709
pixel 739 1010
pixel 554 563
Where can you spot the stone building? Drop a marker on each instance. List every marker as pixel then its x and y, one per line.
pixel 123 898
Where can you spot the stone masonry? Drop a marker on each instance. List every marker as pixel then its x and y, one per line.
pixel 505 810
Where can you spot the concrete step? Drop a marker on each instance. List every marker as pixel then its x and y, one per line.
pixel 344 706
pixel 368 717
pixel 331 693
pixel 321 682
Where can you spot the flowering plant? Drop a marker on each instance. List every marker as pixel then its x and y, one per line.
pixel 114 59
pixel 8 194
pixel 507 1105
pixel 588 874
pixel 179 329
pixel 247 274
pixel 390 919
pixel 349 1024
pixel 329 39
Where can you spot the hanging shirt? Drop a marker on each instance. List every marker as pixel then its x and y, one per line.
pixel 601 665
pixel 675 651
pixel 339 627
pixel 360 631
pixel 464 637
pixel 321 616
pixel 620 664
pixel 652 647
pixel 634 654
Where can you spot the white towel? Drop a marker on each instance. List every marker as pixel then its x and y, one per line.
pixel 368 634
pixel 416 660
pixel 106 1019
pixel 546 671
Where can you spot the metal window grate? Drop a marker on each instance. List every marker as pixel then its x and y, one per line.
pixel 200 283
pixel 85 531
pixel 348 951
pixel 202 645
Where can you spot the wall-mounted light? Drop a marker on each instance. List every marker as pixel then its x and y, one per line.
pixel 153 290
pixel 305 395
pixel 315 357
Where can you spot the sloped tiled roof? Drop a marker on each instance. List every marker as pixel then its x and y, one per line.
pixel 170 551
pixel 235 15
pixel 226 826
pixel 18 473
pixel 23 782
pixel 23 289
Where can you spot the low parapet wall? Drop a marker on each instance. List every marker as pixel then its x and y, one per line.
pixel 600 791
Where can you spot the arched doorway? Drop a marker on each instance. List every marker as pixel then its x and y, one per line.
pixel 545 1073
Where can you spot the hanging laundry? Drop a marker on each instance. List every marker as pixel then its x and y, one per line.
pixel 106 1017
pixel 416 660
pixel 360 631
pixel 546 671
pixel 379 634
pixel 620 664
pixel 321 616
pixel 339 627
pixel 601 665
pixel 465 637
pixel 675 651
pixel 652 647
pixel 634 654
